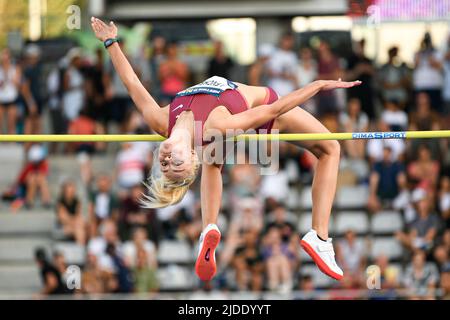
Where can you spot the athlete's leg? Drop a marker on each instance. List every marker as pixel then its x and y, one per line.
pixel 327 152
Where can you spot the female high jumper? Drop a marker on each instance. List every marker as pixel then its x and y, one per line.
pixel 232 106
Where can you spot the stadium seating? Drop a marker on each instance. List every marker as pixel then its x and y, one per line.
pixel 175 252
pixel 387 246
pixel 356 221
pixel 386 222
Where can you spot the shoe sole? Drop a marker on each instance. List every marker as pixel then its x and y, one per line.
pixel 319 262
pixel 206 268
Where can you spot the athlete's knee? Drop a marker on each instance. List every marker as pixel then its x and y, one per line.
pixel 330 148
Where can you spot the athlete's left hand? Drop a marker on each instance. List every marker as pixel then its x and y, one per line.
pixel 338 84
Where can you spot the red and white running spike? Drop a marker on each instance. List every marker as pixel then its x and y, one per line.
pixel 205 267
pixel 322 253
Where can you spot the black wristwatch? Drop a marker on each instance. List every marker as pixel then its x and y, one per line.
pixel 109 42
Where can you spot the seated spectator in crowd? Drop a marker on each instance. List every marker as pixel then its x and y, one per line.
pixel 96 280
pixel 375 147
pixel 394 116
pixel 385 181
pixel 424 170
pixel 59 262
pixel 421 277
pixel 173 74
pixel 393 78
pixel 424 119
pixel 389 275
pixel 130 167
pixel 445 283
pixel 248 263
pixel 249 215
pixel 245 181
pixel 132 215
pixel 83 124
pixel 283 220
pixel 351 257
pixel 354 120
pixel 422 231
pixel 140 256
pixel 276 186
pixel 10 79
pixel 52 282
pixel 69 215
pixel 109 251
pixel 444 200
pixel 34 177
pixel 442 250
pixel 103 204
pixel 278 258
pixel 306 284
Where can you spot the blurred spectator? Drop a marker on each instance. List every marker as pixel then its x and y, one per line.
pixel 354 120
pixel 96 92
pixel 248 215
pixel 220 64
pixel 394 117
pixel 351 256
pixel 103 204
pixel 59 261
pixel 427 76
pixel 245 182
pixel 424 119
pixel 389 275
pixel 118 100
pixel 283 220
pixel 385 181
pixel 445 283
pixel 248 263
pixel 393 79
pixel 55 92
pixel 424 170
pixel 34 94
pixel 282 66
pixel 444 200
pixel 34 177
pixel 10 79
pixel 140 256
pixel 132 215
pixel 276 186
pixel 69 215
pixel 83 124
pixel 130 165
pixel 173 74
pixel 258 74
pixel 307 73
pixel 51 278
pixel 278 257
pixel 375 147
pixel 158 55
pixel 73 83
pixel 441 252
pixel 421 233
pixel 96 280
pixel 328 68
pixel 421 277
pixel 360 67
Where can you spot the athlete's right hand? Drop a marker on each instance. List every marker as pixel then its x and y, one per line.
pixel 102 30
pixel 337 84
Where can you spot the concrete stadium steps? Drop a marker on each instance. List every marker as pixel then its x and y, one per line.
pixel 31 222
pixel 19 278
pixel 21 249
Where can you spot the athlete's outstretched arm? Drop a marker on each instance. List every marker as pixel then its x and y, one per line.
pixel 156 117
pixel 255 117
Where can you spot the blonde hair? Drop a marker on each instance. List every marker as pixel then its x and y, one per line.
pixel 163 192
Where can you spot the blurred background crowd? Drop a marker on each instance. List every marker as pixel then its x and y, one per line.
pixel 391 221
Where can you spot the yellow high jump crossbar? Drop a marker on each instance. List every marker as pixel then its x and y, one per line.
pixel 270 136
